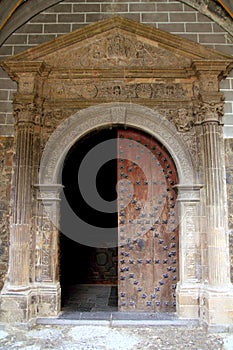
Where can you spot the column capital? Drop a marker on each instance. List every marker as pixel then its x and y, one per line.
pixel 210 111
pixel 49 192
pixel 188 193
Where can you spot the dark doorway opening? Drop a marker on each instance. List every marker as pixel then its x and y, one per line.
pixel 88 274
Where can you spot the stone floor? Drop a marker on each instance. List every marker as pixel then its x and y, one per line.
pixel 89 298
pixel 89 337
pixel 90 321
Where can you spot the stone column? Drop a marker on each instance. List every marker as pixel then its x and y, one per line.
pixel 188 288
pixel 21 220
pixel 217 296
pixel 15 294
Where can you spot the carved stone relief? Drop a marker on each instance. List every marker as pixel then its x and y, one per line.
pixel 118 48
pixel 116 90
pixel 43 247
pixel 50 112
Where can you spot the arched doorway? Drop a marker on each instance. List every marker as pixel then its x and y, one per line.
pixel 144 266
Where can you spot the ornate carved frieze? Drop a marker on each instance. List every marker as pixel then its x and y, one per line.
pixel 116 90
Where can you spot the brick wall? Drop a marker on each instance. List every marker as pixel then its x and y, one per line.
pixel 227 88
pixel 172 16
pixel 168 15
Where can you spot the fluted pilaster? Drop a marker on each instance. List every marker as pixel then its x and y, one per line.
pixel 21 218
pixel 216 219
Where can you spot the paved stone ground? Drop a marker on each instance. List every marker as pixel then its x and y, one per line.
pixel 89 337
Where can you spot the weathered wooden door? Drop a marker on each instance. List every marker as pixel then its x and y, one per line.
pixel 147 224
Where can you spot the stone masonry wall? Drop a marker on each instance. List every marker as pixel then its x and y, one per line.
pixel 69 15
pixel 6 156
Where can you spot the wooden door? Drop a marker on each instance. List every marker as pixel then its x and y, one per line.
pixel 147 224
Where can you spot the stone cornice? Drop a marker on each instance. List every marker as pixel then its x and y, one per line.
pixel 165 40
pixel 221 68
pixel 16 68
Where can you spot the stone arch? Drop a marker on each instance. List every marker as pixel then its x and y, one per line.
pixel 109 114
pixel 153 123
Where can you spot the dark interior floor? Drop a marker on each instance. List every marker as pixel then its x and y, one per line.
pixel 89 298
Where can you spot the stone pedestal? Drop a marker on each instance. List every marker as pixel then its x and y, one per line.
pixel 188 288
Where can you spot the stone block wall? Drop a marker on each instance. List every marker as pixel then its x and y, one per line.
pixel 69 15
pixel 6 158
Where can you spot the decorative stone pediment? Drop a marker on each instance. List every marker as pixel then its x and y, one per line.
pixel 116 43
pixel 114 49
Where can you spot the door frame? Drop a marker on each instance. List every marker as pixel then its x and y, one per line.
pixel 153 123
pixel 196 297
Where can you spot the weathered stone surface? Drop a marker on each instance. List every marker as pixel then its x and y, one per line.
pixel 185 106
pixel 6 159
pixel 99 337
pixel 229 180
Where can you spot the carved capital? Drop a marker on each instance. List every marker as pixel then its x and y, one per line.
pixel 208 112
pixel 25 112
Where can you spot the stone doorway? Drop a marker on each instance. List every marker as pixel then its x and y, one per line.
pixel 140 176
pixel 85 81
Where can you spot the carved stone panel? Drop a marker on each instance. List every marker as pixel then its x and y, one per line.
pixel 116 90
pixel 117 48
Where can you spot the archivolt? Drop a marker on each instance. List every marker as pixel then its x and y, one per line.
pixel 125 114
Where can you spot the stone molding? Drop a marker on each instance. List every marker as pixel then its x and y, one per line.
pixel 91 118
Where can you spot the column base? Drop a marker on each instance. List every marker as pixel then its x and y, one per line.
pixel 187 300
pixel 216 307
pixel 18 305
pixel 48 300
